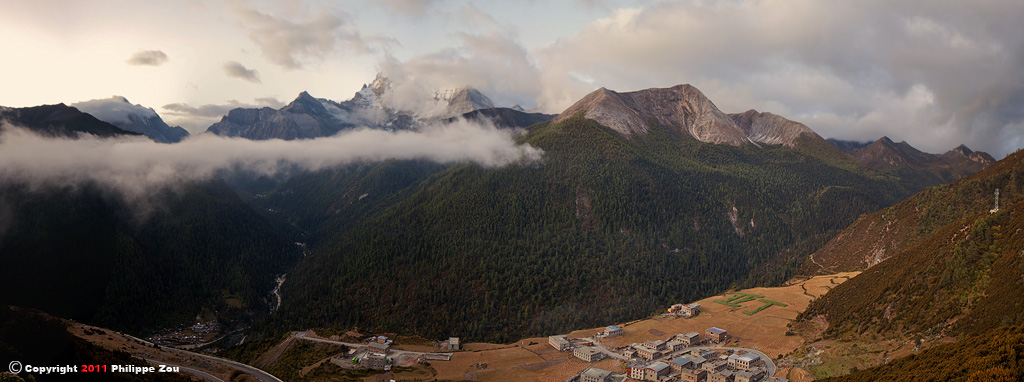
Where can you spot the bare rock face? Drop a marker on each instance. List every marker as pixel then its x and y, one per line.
pixel 463 100
pixel 684 108
pixel 306 117
pixel 771 129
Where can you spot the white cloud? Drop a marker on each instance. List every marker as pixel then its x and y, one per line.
pixel 292 43
pixel 494 63
pixel 135 165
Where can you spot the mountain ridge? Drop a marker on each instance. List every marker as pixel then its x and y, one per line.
pixel 372 106
pixel 685 109
pixel 119 112
pixel 60 120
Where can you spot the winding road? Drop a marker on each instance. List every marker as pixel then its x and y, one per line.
pixel 255 372
pixel 396 352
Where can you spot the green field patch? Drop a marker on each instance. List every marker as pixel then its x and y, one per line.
pixel 738 298
pixel 767 303
pixel 726 303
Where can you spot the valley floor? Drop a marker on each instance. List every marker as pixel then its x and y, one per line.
pixel 533 359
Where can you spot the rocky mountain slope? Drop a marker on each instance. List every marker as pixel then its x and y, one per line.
pixel 686 110
pixel 304 118
pixel 135 118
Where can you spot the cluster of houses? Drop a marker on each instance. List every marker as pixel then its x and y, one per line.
pixel 685 310
pixel 701 366
pixel 667 360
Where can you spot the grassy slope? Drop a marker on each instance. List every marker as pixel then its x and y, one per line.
pixel 996 355
pixel 898 228
pixel 962 279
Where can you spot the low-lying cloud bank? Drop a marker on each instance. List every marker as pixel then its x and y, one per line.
pixel 134 166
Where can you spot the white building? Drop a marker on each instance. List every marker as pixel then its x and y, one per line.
pixel 588 353
pixel 559 342
pixel 612 331
pixel 743 362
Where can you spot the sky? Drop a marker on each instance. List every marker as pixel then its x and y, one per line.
pixel 935 73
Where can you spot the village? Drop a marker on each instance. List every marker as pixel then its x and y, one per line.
pixel 733 337
pixel 684 357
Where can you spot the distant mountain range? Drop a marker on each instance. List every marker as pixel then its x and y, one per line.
pixel 84 252
pixel 309 117
pixel 901 158
pixel 135 118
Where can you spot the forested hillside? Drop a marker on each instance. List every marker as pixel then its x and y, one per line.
pixel 85 253
pixel 604 229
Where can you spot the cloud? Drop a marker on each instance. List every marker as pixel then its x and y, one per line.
pixel 115 109
pixel 147 57
pixel 135 165
pixel 935 73
pixel 292 43
pixel 409 8
pixel 476 18
pixel 494 63
pixel 237 70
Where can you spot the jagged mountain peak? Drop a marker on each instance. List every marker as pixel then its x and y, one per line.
pixel 305 103
pixel 962 150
